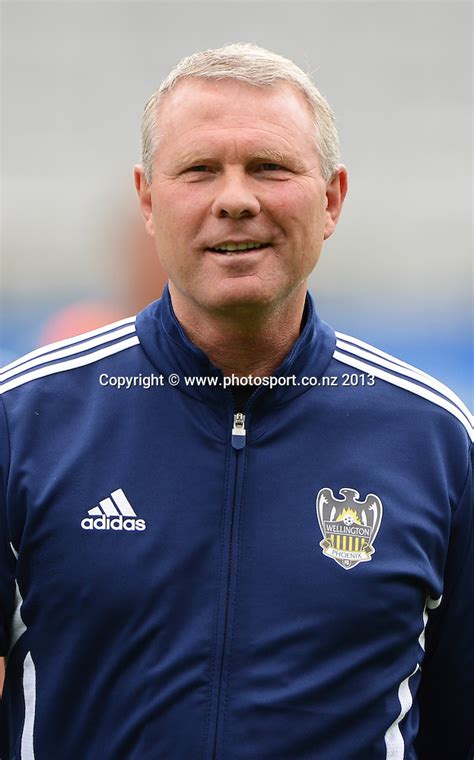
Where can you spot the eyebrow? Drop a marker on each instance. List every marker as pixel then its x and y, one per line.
pixel 190 159
pixel 270 153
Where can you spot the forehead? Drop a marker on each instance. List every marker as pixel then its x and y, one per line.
pixel 198 110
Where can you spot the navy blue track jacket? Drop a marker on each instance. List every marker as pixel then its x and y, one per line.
pixel 183 580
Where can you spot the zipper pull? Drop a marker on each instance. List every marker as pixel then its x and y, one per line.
pixel 238 431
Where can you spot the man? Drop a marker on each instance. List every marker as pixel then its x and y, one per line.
pixel 229 533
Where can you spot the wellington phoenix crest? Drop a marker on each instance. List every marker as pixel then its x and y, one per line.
pixel 349 526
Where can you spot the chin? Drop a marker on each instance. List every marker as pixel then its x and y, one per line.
pixel 245 296
pixel 250 308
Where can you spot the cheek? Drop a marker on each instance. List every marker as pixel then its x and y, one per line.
pixel 302 215
pixel 177 215
pixel 298 212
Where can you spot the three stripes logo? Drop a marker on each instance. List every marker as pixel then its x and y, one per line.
pixel 113 513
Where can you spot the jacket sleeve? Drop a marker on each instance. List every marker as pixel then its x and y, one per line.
pixel 446 695
pixel 7 563
pixel 7 559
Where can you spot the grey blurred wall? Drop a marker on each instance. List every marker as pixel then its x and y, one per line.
pixel 75 77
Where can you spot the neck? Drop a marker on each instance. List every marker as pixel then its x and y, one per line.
pixel 244 341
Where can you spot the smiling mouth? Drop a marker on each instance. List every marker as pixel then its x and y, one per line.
pixel 231 249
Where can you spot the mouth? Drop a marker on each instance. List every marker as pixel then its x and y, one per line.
pixel 236 249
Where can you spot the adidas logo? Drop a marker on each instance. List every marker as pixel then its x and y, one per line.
pixel 113 513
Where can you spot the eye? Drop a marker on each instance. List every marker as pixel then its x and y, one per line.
pixel 271 167
pixel 198 168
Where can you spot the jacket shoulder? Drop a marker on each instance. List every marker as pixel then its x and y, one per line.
pixel 362 356
pixel 69 354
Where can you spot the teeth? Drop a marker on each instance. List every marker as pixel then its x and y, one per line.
pixel 229 247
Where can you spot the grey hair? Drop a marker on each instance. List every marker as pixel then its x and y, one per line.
pixel 256 66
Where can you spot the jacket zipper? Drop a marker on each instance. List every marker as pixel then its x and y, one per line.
pixel 238 431
pixel 238 441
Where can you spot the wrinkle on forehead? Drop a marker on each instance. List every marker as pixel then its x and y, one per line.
pixel 201 104
pixel 252 146
pixel 236 148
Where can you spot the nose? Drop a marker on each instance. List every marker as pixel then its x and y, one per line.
pixel 234 197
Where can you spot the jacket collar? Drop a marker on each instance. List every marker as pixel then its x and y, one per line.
pixel 171 352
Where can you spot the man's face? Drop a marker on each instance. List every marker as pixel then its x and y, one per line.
pixel 238 164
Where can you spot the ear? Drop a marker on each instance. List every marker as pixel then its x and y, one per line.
pixel 144 196
pixel 336 190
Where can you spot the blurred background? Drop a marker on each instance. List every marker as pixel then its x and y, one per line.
pixel 75 78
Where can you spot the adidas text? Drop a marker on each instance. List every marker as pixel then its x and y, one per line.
pixel 113 523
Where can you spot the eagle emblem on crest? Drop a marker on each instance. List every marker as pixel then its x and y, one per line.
pixel 349 525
